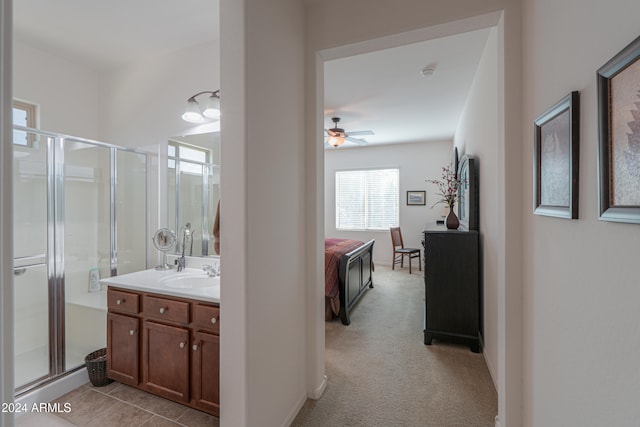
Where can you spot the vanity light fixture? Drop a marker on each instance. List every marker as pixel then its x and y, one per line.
pixel 199 112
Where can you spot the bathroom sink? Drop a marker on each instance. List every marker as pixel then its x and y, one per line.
pixel 189 281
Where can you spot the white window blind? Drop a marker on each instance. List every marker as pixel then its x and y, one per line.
pixel 367 199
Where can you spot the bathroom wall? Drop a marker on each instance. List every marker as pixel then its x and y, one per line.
pixel 142 103
pixel 66 92
pixel 417 162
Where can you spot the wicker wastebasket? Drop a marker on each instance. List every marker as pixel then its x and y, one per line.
pixel 97 367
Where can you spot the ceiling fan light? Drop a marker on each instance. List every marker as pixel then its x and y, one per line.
pixel 192 113
pixel 335 141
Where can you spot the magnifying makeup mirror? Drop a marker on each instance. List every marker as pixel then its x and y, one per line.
pixel 164 240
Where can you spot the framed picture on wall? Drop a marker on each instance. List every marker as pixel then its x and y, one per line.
pixel 556 158
pixel 619 136
pixel 416 198
pixel 468 193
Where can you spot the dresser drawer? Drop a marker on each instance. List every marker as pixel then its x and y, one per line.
pixel 206 317
pixel 166 309
pixel 125 302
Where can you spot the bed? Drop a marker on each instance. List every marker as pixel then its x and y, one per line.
pixel 348 265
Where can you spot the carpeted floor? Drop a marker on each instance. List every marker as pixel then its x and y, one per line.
pixel 381 374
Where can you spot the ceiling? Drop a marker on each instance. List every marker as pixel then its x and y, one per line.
pixel 104 34
pixel 382 91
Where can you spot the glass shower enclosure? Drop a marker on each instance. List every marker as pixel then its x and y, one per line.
pixel 80 213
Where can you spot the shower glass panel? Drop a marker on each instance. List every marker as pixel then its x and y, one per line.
pixel 31 273
pixel 87 245
pixel 131 208
pixel 66 204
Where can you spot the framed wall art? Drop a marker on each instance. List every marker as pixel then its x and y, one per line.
pixel 468 193
pixel 556 159
pixel 416 198
pixel 619 136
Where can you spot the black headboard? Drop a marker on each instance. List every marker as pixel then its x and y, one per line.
pixel 468 205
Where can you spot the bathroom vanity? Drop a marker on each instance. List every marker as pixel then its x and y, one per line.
pixel 163 335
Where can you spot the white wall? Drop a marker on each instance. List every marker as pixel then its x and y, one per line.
pixel 142 103
pixel 416 162
pixel 66 92
pixel 263 354
pixel 581 335
pixel 477 135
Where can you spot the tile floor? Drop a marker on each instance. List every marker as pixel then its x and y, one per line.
pixel 119 405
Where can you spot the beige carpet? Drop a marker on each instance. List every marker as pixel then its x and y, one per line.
pixel 381 374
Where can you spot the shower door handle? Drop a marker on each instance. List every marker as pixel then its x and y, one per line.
pixel 21 264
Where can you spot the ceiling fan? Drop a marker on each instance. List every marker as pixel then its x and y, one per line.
pixel 337 136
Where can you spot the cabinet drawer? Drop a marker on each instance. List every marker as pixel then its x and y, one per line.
pixel 206 317
pixel 125 302
pixel 166 309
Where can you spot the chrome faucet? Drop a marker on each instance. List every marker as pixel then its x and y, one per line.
pixel 211 270
pixel 180 262
pixel 187 232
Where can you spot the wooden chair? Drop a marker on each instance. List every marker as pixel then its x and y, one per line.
pixel 399 251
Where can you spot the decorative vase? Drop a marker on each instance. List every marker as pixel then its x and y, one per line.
pixel 452 220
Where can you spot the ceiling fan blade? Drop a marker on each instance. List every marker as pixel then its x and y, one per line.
pixel 361 132
pixel 357 140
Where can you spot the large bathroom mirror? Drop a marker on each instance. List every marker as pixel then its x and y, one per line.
pixel 193 193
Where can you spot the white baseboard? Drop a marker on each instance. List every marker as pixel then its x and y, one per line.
pixel 497 421
pixel 54 390
pixel 294 412
pixel 317 393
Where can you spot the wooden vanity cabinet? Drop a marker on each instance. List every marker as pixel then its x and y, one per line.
pixel 205 373
pixel 123 332
pixel 165 360
pixel 177 352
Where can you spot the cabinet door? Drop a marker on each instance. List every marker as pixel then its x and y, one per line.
pixel 122 348
pixel 451 264
pixel 205 364
pixel 165 364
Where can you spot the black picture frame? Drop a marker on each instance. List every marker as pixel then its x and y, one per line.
pixel 619 136
pixel 468 193
pixel 556 159
pixel 416 198
pixel 454 162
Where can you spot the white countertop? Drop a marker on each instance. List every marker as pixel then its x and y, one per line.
pixel 154 281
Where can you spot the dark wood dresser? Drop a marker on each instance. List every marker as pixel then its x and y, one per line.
pixel 452 287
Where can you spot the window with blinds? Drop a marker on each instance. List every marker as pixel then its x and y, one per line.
pixel 367 199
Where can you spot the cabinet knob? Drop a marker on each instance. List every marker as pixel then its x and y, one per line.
pixel 214 320
pixel 195 347
pixel 162 310
pixel 120 301
pixel 181 345
pixel 132 331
